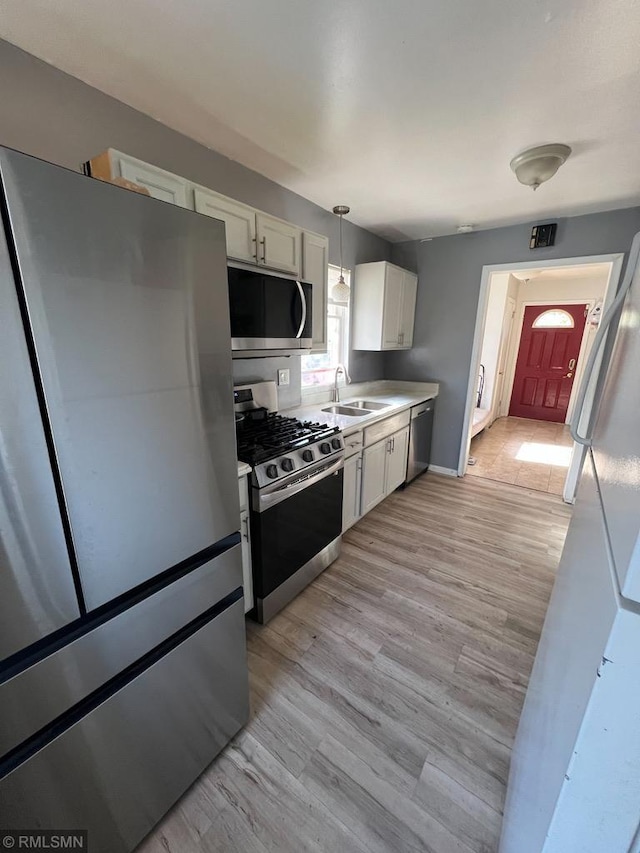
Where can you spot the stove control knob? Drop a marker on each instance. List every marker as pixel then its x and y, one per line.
pixel 307 455
pixel 335 443
pixel 272 472
pixel 286 465
pixel 325 447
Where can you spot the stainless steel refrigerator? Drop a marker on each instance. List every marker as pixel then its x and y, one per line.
pixel 122 641
pixel 574 784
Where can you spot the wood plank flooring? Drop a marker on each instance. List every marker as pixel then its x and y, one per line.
pixel 385 698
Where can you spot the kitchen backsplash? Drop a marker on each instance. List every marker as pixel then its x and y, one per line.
pixel 247 370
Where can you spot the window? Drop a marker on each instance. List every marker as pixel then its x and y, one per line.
pixel 318 368
pixel 556 318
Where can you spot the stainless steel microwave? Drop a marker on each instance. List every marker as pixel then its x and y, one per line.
pixel 269 311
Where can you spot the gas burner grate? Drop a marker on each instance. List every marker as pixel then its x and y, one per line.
pixel 261 440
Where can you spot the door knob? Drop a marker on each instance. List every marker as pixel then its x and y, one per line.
pixel 568 375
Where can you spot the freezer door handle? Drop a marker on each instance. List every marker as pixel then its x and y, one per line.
pixel 601 334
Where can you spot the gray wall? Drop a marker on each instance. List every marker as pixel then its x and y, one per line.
pixel 49 114
pixel 450 270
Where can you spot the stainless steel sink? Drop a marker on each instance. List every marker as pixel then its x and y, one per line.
pixel 349 411
pixel 367 404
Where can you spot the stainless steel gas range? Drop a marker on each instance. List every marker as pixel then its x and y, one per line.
pixel 296 496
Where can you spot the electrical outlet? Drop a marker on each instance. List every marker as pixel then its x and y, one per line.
pixel 283 376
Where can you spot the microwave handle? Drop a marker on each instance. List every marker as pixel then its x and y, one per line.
pixel 303 302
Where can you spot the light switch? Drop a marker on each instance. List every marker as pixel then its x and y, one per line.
pixel 283 376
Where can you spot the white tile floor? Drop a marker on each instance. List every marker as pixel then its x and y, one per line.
pixel 533 454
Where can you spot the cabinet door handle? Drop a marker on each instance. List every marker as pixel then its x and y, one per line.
pixel 264 249
pixel 254 240
pixel 245 524
pixel 393 444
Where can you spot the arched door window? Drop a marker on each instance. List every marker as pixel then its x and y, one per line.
pixel 555 318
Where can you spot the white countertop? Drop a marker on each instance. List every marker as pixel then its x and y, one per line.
pixel 397 395
pixel 243 469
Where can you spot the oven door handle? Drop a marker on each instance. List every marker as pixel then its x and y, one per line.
pixel 265 501
pixel 303 303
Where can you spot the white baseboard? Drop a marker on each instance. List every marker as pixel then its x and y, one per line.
pixel 448 472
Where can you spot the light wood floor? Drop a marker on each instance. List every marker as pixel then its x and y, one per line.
pixel 385 698
pixel 533 454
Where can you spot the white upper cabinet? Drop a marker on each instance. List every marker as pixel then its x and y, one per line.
pixel 161 184
pixel 252 236
pixel 407 317
pixel 392 307
pixel 278 243
pixel 384 307
pixel 239 220
pixel 315 268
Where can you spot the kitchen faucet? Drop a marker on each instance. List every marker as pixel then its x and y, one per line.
pixel 335 395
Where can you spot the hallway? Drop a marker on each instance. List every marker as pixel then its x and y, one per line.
pixel 522 452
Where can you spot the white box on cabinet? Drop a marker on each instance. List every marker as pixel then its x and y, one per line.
pixel 161 184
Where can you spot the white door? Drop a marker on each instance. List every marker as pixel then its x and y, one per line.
pixel 373 474
pixel 239 220
pixel 392 311
pixel 505 340
pixel 407 318
pixel 315 268
pixel 162 185
pixel 351 491
pixel 278 244
pixel 397 460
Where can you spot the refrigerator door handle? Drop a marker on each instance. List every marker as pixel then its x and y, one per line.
pixel 632 263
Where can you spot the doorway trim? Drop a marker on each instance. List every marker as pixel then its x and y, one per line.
pixel 615 260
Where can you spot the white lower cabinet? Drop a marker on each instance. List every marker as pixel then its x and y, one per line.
pixel 245 540
pixel 397 460
pixel 352 491
pixel 384 468
pixel 374 463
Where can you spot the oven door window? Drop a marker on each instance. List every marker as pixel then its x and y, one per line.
pixel 289 534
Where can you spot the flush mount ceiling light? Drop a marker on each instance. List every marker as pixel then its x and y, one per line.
pixel 340 291
pixel 536 165
pixel 465 229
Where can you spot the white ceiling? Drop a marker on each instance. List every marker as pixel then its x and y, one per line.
pixel 565 273
pixel 409 111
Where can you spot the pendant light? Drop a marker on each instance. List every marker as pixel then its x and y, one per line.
pixel 340 291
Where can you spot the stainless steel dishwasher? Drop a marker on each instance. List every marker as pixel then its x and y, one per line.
pixel 420 439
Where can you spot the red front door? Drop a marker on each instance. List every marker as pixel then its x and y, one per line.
pixel 547 359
